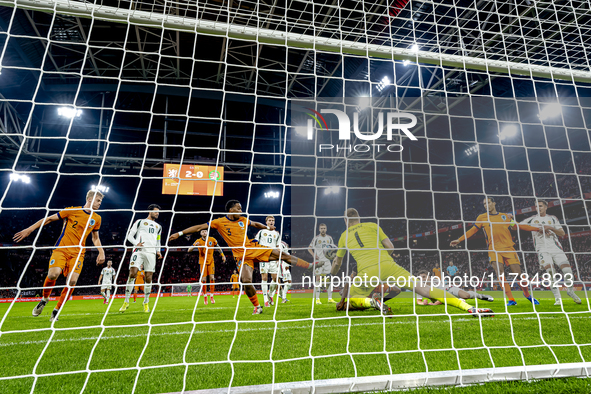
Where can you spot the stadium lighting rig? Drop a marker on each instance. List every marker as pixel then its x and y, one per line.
pixel 18 177
pixel 100 188
pixel 363 103
pixel 550 111
pixel 68 112
pixel 508 132
pixel 272 194
pixel 471 150
pixel 383 83
pixel 332 190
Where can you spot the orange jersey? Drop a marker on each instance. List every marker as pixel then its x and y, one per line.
pixel 234 278
pixel 496 230
pixel 437 272
pixel 234 233
pixel 205 249
pixel 78 223
pixel 140 278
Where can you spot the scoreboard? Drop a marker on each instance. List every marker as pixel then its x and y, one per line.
pixel 195 180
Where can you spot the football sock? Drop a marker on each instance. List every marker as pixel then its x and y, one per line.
pixel 66 292
pixel 211 285
pixel 286 287
pixel 108 294
pixel 147 292
pixel 254 299
pixel 555 290
pixel 525 290
pixel 568 277
pixel 104 296
pixel 273 287
pixel 439 295
pixel 129 288
pixel 47 292
pixel 329 289
pixel 265 289
pixel 507 289
pixel 302 263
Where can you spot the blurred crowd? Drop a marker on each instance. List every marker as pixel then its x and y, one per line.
pixel 26 266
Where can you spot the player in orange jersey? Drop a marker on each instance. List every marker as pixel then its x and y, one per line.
pixel 501 253
pixel 437 272
pixel 232 228
pixel 235 285
pixel 206 245
pixel 140 279
pixel 68 256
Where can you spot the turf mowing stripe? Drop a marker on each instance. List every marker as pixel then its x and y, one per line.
pixel 264 329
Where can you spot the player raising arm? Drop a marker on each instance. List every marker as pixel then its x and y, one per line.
pixel 145 236
pixel 371 248
pixel 501 252
pixel 232 228
pixel 68 257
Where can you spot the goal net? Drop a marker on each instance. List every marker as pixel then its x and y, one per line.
pixel 432 119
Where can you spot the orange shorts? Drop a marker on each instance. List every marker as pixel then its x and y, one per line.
pixel 138 288
pixel 66 261
pixel 252 256
pixel 507 258
pixel 206 270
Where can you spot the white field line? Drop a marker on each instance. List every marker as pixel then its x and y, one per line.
pixel 107 337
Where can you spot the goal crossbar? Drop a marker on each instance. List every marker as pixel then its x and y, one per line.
pixel 276 37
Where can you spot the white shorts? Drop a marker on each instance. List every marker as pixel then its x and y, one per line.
pixel 453 290
pixel 323 269
pixel 106 286
pixel 558 258
pixel 286 275
pixel 148 260
pixel 269 267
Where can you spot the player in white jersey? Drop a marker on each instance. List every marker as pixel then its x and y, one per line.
pixel 106 281
pixel 324 265
pixel 271 239
pixel 284 274
pixel 550 250
pixel 145 235
pixel 453 290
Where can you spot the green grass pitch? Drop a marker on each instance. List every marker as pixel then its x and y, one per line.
pixel 332 345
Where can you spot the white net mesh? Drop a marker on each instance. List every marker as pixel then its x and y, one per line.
pixel 110 93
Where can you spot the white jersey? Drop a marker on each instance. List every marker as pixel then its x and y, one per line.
pixel 108 274
pixel 284 266
pixel 269 238
pixel 318 244
pixel 544 242
pixel 148 232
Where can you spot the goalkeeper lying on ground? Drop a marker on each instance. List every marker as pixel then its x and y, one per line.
pixel 370 247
